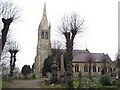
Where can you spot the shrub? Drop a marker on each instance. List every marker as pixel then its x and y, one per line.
pixel 105 80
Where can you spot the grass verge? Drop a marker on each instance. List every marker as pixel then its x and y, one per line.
pixel 6 84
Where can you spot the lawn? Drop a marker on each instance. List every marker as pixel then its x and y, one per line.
pixel 94 85
pixel 83 84
pixel 6 84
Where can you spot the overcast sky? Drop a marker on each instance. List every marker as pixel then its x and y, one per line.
pixel 101 25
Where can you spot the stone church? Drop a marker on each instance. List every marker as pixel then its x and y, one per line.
pixel 81 57
pixel 84 59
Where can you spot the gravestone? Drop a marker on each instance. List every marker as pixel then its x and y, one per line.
pixel 62 69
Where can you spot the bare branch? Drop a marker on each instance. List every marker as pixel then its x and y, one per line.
pixel 9 13
pixel 9 10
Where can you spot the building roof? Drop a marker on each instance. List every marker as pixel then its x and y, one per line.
pixel 85 56
pixel 95 57
pixel 75 52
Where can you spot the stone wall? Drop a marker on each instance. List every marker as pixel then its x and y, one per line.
pixel 97 73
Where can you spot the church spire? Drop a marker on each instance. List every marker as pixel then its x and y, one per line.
pixel 44 11
pixel 44 20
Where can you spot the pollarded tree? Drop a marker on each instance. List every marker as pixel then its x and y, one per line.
pixel 13 50
pixel 70 26
pixel 9 13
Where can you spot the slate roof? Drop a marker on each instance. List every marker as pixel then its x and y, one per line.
pixel 75 52
pixel 95 57
pixel 85 56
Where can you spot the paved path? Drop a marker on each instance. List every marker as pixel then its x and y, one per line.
pixel 26 83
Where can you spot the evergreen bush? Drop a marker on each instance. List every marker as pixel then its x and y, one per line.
pixel 105 80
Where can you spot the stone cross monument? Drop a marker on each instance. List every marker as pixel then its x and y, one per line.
pixel 62 68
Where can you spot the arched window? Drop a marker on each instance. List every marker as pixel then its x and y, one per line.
pixel 111 70
pixel 85 68
pixel 42 35
pixel 94 68
pixel 98 69
pixel 114 69
pixel 76 68
pixel 46 35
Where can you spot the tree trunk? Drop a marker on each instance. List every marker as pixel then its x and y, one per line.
pixel 11 66
pixel 90 75
pixel 104 69
pixel 5 29
pixel 12 61
pixel 69 76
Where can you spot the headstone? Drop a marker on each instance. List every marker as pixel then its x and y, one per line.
pixel 87 83
pixel 58 74
pixel 62 69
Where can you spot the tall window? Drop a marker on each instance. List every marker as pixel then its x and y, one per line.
pixel 98 69
pixel 46 35
pixel 42 35
pixel 114 69
pixel 111 70
pixel 94 68
pixel 76 68
pixel 85 68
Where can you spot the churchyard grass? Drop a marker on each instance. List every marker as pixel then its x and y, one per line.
pixel 93 85
pixel 6 84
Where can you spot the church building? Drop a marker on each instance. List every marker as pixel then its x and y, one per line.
pixel 81 58
pixel 98 63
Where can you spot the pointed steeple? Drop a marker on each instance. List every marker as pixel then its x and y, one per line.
pixel 44 11
pixel 44 21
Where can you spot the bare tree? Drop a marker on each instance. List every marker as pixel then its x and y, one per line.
pixel 118 66
pixel 70 26
pixel 13 49
pixel 56 52
pixel 9 13
pixel 56 48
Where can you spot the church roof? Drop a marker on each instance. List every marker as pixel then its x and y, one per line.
pixel 95 57
pixel 85 56
pixel 75 52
